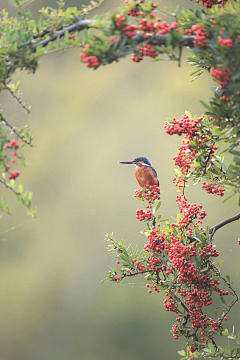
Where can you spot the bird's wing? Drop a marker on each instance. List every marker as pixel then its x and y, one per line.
pixel 154 173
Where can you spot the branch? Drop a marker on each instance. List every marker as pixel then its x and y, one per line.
pixel 161 39
pixel 82 24
pixel 17 98
pixel 15 131
pixel 78 26
pixel 224 222
pixel 132 274
pixel 9 187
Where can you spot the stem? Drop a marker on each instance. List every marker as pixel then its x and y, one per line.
pixel 134 274
pixel 9 187
pixel 17 98
pixel 15 131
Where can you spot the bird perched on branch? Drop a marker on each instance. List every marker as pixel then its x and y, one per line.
pixel 145 174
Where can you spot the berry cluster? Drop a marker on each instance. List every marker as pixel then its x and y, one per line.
pixel 225 42
pixel 200 35
pixel 211 189
pixel 150 194
pixel 209 3
pixel 221 76
pixel 197 145
pixel 13 174
pixel 183 126
pixel 13 144
pixel 143 215
pixel 89 60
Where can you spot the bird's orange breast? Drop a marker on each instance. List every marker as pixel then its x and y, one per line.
pixel 144 176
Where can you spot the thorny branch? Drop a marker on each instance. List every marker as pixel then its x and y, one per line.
pixel 82 24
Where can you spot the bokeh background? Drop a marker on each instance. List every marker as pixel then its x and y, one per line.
pixel 53 306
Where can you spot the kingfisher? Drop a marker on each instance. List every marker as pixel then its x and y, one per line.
pixel 145 174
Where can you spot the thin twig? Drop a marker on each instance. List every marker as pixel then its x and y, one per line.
pixel 17 98
pixel 5 211
pixel 15 131
pixel 134 274
pixel 9 187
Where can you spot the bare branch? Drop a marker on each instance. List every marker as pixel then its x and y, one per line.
pixel 78 26
pixel 224 222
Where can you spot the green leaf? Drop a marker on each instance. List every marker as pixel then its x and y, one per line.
pixel 225 332
pixel 223 301
pixel 169 39
pixel 158 206
pixel 181 352
pixel 211 347
pixel 205 105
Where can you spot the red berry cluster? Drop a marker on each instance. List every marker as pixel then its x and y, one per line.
pixel 13 174
pixel 211 189
pixel 145 50
pixel 143 215
pixel 183 126
pixel 196 143
pixel 200 35
pixel 209 3
pixel 129 30
pixel 225 42
pixel 89 60
pixel 195 286
pixel 13 143
pixel 224 97
pixel 221 76
pixel 151 193
pixel 119 20
pixel 190 213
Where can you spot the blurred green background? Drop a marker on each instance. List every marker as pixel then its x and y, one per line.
pixel 53 306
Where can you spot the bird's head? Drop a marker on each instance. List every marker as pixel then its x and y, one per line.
pixel 139 161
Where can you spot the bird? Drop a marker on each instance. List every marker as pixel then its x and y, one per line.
pixel 145 174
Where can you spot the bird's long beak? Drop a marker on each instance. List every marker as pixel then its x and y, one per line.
pixel 126 162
